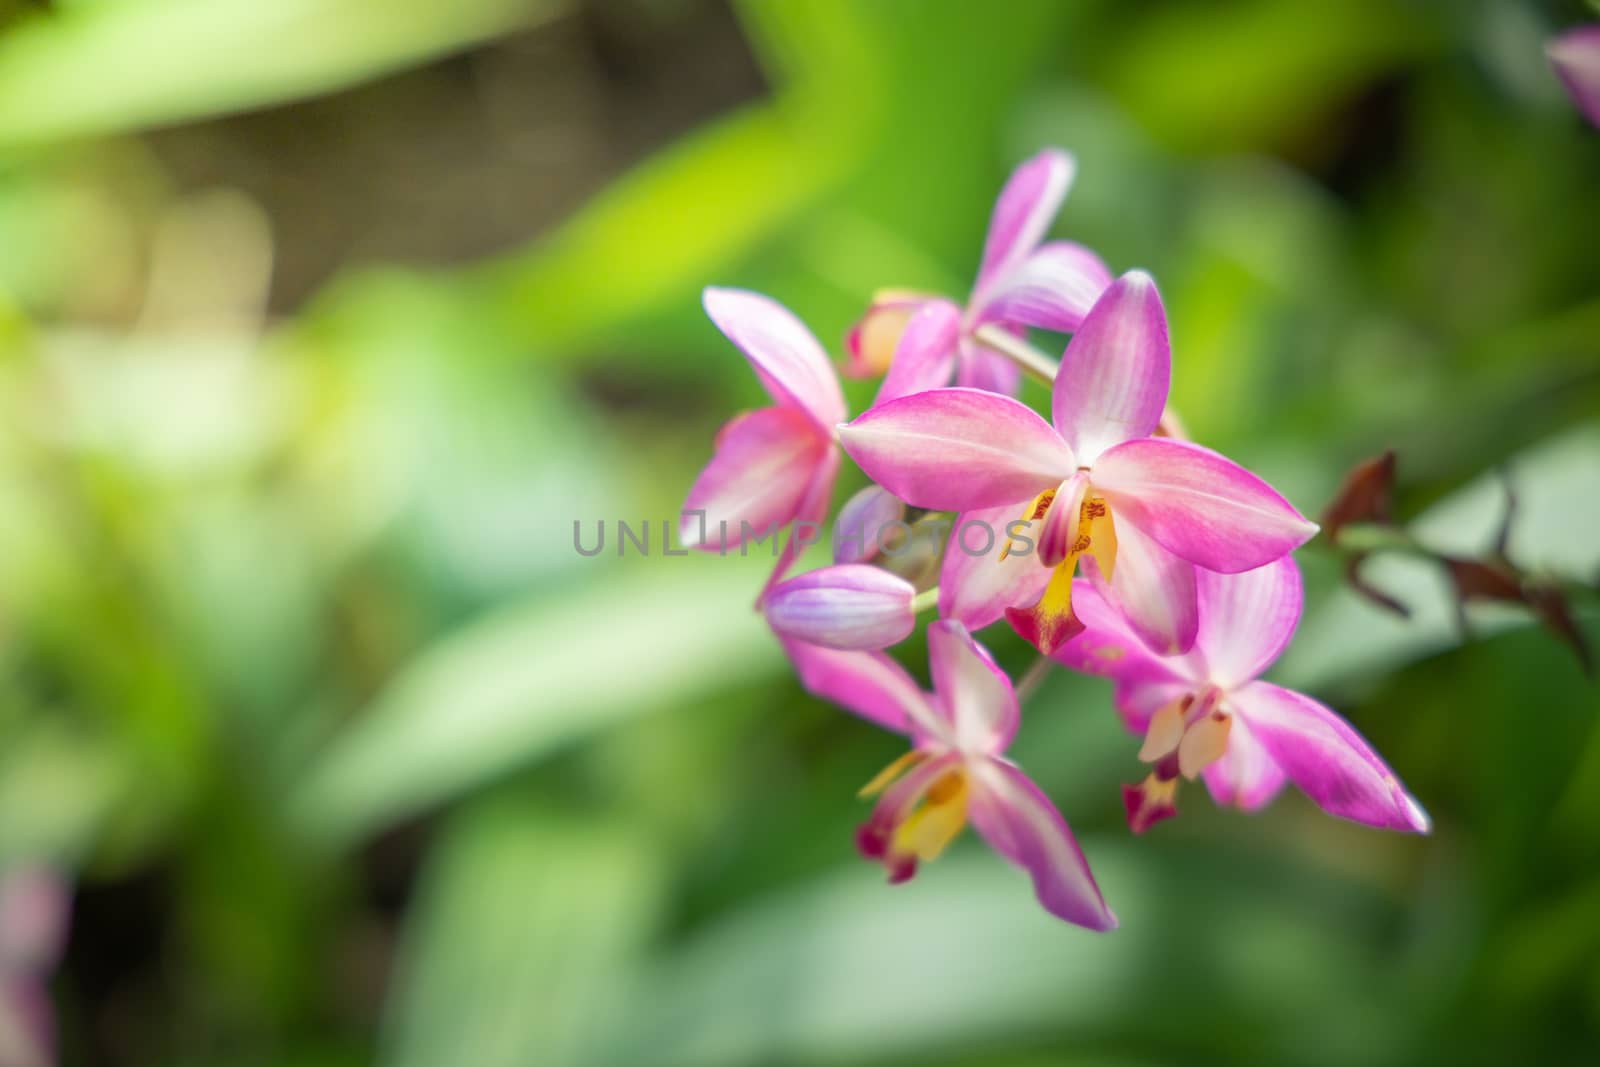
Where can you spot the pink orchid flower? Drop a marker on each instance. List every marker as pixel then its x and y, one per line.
pixel 845 606
pixel 1207 712
pixel 773 466
pixel 956 769
pixel 1576 57
pixel 1147 510
pixel 924 341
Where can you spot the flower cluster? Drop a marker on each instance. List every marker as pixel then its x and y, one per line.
pixel 1124 551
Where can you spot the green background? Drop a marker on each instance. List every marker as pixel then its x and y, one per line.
pixel 321 321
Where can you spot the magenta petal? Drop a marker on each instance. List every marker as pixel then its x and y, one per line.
pixel 1154 590
pixel 1114 377
pixel 1024 211
pixel 1137 699
pixel 979 368
pixel 1246 620
pixel 1326 758
pixel 1109 646
pixel 1246 776
pixel 809 517
pixel 791 363
pixel 1576 58
pixel 976 586
pixel 764 464
pixel 925 358
pixel 974 694
pixel 861 521
pixel 1199 505
pixel 1021 824
pixel 957 449
pixel 870 684
pixel 1052 289
pixel 847 606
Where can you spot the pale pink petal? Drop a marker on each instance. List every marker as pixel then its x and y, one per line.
pixel 1109 646
pixel 1245 777
pixel 861 521
pixel 979 368
pixel 1112 385
pixel 957 450
pixel 925 358
pixel 1576 58
pixel 1021 824
pixel 870 684
pixel 1138 697
pixel 976 586
pixel 1154 590
pixel 1024 211
pixel 809 519
pixel 1199 505
pixel 974 694
pixel 1053 289
pixel 1246 620
pixel 791 363
pixel 756 482
pixel 847 606
pixel 1326 758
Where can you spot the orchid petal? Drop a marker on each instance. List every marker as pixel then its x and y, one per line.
pixel 979 368
pixel 1576 58
pixel 1154 590
pixel 976 585
pixel 1114 377
pixel 1049 624
pixel 957 449
pixel 1021 824
pixel 1246 620
pixel 974 693
pixel 1246 776
pixel 870 684
pixel 925 357
pixel 759 477
pixel 1199 505
pixel 791 363
pixel 1324 755
pixel 1109 646
pixel 861 520
pixel 809 517
pixel 1052 289
pixel 1024 211
pixel 1061 520
pixel 1139 695
pixel 847 606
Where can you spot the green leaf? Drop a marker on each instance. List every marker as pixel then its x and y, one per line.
pixel 849 970
pixel 507 690
pixel 106 67
pixel 514 951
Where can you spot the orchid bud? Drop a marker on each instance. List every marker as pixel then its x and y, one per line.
pixel 872 341
pixel 848 606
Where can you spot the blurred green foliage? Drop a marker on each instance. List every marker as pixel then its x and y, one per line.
pixel 357 762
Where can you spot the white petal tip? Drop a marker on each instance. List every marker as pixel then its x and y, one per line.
pixel 1420 822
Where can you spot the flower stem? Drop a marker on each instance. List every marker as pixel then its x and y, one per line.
pixel 1033 362
pixel 1032 678
pixel 928 598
